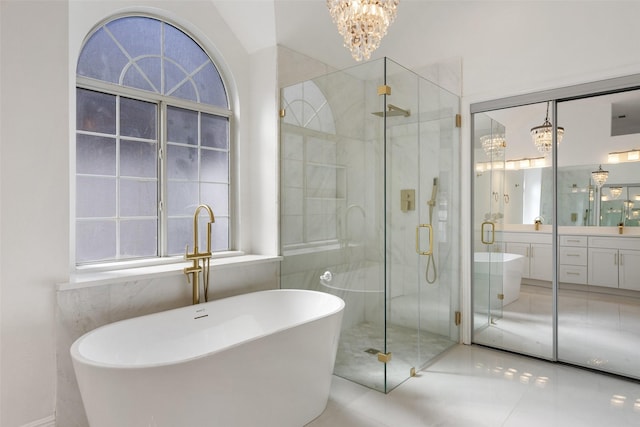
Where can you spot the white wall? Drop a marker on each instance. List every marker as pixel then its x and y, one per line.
pixel 35 202
pixel 39 44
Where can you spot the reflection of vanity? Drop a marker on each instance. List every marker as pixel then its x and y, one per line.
pixel 614 262
pixel 536 250
pixel 586 256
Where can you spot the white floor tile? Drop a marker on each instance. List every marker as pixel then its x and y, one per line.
pixel 474 386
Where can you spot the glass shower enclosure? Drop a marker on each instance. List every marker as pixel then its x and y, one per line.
pixel 369 211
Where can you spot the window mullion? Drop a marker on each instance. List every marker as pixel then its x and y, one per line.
pixel 163 226
pixel 117 213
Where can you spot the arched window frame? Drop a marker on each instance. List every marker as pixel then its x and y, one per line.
pixel 165 102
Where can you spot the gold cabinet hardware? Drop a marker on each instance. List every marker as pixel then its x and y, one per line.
pixel 493 232
pixel 430 250
pixel 384 357
pixel 458 120
pixel 384 90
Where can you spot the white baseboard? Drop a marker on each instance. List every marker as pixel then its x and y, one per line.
pixel 49 421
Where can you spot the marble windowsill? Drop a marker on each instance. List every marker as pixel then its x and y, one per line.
pixel 84 278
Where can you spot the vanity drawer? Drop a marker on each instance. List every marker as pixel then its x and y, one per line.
pixel 573 256
pixel 573 241
pixel 573 274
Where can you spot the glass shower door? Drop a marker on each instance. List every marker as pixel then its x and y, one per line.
pixel 420 133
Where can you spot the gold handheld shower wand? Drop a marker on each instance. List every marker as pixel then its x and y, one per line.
pixel 193 272
pixel 430 273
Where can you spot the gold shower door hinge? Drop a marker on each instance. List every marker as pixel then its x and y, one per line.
pixel 384 357
pixel 500 297
pixel 384 90
pixel 283 113
pixel 458 120
pixel 458 318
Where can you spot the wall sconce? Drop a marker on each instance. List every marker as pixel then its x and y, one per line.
pixel 624 156
pixel 514 164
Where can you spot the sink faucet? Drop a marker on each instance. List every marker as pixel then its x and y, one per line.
pixel 193 272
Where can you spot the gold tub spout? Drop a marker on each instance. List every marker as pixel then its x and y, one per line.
pixel 193 272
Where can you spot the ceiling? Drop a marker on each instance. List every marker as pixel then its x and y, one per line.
pixel 305 26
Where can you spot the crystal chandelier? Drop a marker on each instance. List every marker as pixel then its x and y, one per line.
pixel 543 135
pixel 362 23
pixel 493 145
pixel 600 176
pixel 615 192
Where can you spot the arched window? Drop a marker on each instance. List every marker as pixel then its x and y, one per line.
pixel 152 142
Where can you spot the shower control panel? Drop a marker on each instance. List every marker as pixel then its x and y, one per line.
pixel 407 200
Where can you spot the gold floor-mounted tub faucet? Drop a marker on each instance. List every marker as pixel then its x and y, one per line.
pixel 193 272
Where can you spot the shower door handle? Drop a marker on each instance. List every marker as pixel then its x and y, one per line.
pixel 493 233
pixel 430 228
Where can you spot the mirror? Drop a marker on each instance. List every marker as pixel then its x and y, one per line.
pixel 602 130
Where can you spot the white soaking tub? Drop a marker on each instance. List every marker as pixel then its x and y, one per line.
pixel 505 265
pixel 264 358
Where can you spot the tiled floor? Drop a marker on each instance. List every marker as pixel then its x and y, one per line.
pixel 474 386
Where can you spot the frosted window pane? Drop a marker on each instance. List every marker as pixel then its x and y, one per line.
pixel 185 91
pixel 138 118
pixel 138 35
pixel 180 235
pixel 220 234
pixel 133 77
pixel 210 87
pixel 138 238
pixel 214 166
pixel 95 155
pixel 182 198
pixel 149 68
pixel 95 197
pixel 182 49
pixel 216 196
pixel 95 112
pixel 182 163
pixel 182 126
pixel 215 131
pixel 95 240
pixel 139 159
pixel 175 84
pixel 138 198
pixel 101 58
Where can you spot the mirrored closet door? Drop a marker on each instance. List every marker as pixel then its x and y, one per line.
pixel 566 226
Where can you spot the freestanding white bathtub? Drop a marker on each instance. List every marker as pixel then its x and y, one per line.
pixel 259 359
pixel 505 265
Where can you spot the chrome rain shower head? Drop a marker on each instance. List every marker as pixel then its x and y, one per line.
pixel 393 111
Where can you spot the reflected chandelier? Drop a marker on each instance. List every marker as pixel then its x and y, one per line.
pixel 493 145
pixel 543 135
pixel 362 23
pixel 600 176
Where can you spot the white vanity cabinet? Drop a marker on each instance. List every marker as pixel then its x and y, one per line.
pixel 537 250
pixel 573 259
pixel 614 262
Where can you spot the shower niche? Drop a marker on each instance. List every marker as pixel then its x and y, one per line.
pixel 353 144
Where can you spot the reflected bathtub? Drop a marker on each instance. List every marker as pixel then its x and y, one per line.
pixel 264 358
pixel 505 265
